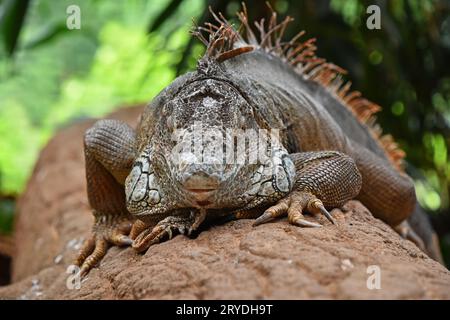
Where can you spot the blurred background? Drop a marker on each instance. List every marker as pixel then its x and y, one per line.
pixel 127 51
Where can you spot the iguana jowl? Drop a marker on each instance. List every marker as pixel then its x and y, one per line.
pixel 328 151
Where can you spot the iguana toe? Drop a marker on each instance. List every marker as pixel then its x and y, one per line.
pixel 406 232
pixel 293 206
pixel 95 248
pixel 149 235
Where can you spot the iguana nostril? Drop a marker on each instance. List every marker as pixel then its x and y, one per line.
pixel 201 182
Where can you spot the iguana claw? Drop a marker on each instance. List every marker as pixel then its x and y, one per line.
pixel 94 249
pixel 152 236
pixel 293 205
pixel 145 236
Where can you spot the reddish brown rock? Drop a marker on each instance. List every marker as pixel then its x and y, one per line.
pixel 230 261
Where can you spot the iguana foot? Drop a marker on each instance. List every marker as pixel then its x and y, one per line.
pixel 293 205
pixel 145 236
pixel 406 232
pixel 104 233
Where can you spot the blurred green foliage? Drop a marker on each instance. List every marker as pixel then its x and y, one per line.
pixel 407 71
pixel 80 73
pixel 127 51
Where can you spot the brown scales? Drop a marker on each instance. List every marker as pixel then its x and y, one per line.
pixel 224 42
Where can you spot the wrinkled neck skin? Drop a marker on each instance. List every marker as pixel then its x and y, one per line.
pixel 203 148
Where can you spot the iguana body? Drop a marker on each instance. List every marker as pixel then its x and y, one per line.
pixel 327 152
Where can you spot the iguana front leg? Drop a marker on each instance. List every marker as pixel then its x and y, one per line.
pixel 110 149
pixel 325 179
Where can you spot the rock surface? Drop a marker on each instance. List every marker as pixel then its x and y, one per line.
pixel 229 261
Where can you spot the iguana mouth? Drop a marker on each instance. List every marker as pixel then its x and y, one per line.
pixel 202 196
pixel 200 190
pixel 201 187
pixel 203 203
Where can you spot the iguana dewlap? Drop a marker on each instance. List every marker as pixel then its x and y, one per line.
pixel 143 185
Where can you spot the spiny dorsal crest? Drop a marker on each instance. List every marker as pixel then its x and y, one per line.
pixel 224 42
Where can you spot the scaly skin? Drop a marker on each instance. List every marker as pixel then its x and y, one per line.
pixel 324 154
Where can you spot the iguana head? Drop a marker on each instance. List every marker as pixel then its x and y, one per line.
pixel 208 151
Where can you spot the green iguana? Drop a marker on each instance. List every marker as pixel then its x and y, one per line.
pixel 320 147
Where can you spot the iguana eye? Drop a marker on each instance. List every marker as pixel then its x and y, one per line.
pixel 170 123
pixel 167 109
pixel 242 123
